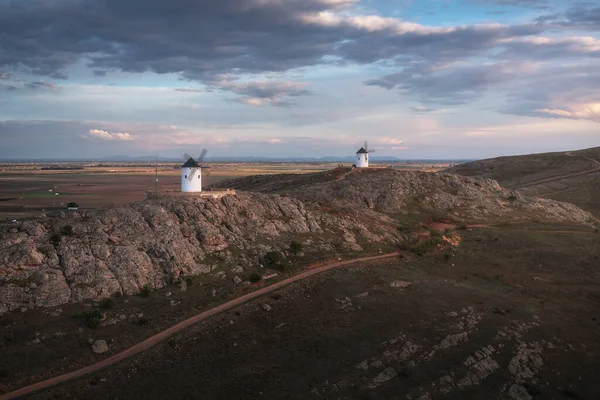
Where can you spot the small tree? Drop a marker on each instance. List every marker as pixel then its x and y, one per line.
pixel 296 247
pixel 254 278
pixel 107 304
pixel 93 318
pixel 67 230
pixel 145 292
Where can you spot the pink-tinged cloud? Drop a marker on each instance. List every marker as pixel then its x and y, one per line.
pixel 104 135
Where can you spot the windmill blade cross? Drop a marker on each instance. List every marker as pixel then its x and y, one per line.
pixel 192 174
pixel 186 156
pixel 201 157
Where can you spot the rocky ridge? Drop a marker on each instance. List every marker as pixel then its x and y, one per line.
pixel 92 255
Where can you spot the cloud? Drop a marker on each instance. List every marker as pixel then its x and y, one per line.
pixel 535 4
pixel 388 141
pixel 188 90
pixel 421 109
pixel 232 37
pixel 40 85
pixel 258 93
pixel 583 111
pixel 104 135
pixel 568 91
pixel 449 84
pixel 582 16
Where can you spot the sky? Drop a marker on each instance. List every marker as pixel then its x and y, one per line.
pixel 439 79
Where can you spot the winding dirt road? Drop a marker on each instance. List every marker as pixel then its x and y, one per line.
pixel 163 335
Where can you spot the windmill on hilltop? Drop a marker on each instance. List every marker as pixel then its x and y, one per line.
pixel 191 173
pixel 362 157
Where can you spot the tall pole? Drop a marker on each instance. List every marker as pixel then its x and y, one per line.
pixel 156 176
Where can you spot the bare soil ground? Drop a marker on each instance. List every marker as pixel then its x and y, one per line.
pixel 512 310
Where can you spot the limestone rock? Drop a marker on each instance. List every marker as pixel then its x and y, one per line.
pixel 99 346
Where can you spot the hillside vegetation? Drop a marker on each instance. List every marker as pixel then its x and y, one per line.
pixel 571 176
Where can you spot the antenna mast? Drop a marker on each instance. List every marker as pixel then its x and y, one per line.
pixel 156 175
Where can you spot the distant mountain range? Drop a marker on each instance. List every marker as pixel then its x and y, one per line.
pixel 248 159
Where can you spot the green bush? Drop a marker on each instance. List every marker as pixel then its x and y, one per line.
pixel 272 259
pixel 189 281
pixel 56 238
pixel 67 230
pixel 143 321
pixel 448 255
pixel 93 318
pixel 254 278
pixel 435 234
pixel 512 197
pixel 296 247
pixel 146 290
pixel 107 304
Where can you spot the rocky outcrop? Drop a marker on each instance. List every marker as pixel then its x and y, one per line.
pixel 92 255
pixel 461 198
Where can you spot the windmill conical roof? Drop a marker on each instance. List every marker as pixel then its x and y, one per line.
pixel 190 163
pixel 362 151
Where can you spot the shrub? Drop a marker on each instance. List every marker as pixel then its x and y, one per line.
pixel 67 230
pixel 145 292
pixel 143 321
pixel 275 260
pixel 512 197
pixel 295 247
pixel 435 234
pixel 93 318
pixel 189 281
pixel 254 278
pixel 272 259
pixel 403 228
pixel 448 255
pixel 107 304
pixel 56 238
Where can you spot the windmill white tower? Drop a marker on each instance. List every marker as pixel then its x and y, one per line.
pixel 362 157
pixel 191 173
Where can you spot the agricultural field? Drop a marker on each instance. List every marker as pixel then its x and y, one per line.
pixel 27 190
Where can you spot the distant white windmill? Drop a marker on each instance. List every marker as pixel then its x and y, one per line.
pixel 191 173
pixel 362 157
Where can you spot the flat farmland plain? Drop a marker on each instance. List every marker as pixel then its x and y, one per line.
pixel 27 190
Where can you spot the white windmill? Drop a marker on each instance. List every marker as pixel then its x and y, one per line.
pixel 191 173
pixel 362 157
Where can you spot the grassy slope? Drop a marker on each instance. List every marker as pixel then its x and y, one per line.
pixel 526 172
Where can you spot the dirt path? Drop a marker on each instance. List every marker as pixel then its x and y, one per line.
pixel 558 178
pixel 165 334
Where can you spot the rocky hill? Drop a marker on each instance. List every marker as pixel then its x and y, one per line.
pixel 92 255
pixel 393 192
pixel 571 176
